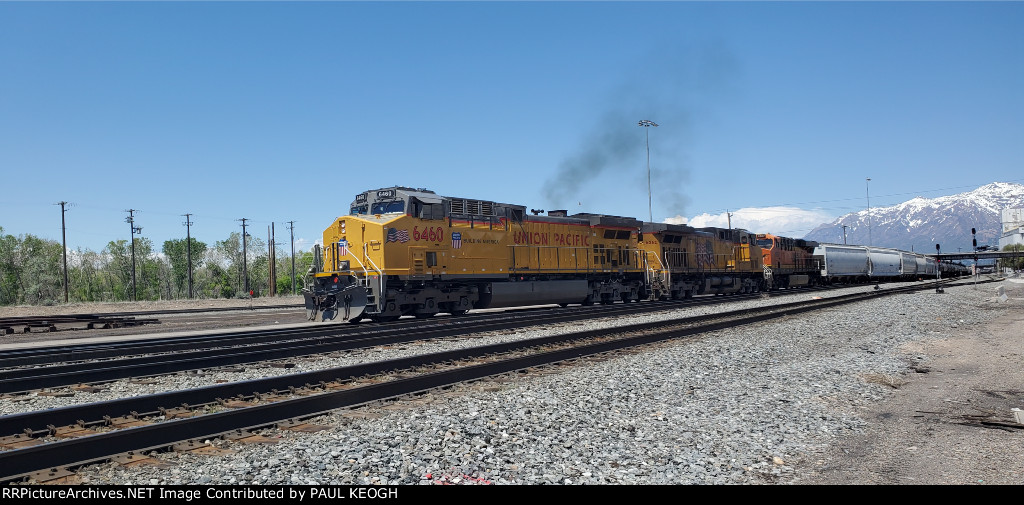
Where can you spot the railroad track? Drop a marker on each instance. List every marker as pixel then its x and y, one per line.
pixel 28 324
pixel 40 368
pixel 157 421
pixel 9 325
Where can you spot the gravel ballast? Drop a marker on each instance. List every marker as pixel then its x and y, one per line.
pixel 729 407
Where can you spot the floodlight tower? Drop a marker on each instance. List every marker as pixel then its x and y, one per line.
pixel 647 124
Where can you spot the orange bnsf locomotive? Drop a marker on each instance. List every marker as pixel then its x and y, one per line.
pixel 404 251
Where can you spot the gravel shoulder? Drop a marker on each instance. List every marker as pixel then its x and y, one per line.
pixel 932 429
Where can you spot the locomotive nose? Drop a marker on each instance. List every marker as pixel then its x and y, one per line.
pixel 350 304
pixel 337 296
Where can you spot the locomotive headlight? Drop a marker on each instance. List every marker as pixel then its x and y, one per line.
pixel 343 265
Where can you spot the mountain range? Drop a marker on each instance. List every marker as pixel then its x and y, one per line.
pixel 920 223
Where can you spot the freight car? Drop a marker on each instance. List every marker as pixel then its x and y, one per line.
pixel 858 263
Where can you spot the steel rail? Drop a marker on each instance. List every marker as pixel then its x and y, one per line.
pixel 92 372
pixel 79 352
pixel 21 462
pixel 39 421
pixel 65 353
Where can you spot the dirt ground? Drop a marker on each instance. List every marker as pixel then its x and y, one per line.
pixel 252 314
pixel 116 307
pixel 947 424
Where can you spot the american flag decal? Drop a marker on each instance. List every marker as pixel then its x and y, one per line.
pixel 342 248
pixel 395 235
pixel 456 240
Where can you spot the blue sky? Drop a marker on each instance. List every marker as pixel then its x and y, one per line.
pixel 281 112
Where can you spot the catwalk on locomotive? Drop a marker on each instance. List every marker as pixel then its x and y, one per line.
pixel 404 251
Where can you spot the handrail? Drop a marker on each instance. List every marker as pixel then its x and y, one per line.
pixel 380 278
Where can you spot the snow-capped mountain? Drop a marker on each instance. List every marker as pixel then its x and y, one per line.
pixel 920 223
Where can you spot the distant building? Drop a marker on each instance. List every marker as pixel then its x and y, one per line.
pixel 1013 227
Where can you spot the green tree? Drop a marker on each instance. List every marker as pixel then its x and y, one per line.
pixel 10 290
pixel 232 269
pixel 176 251
pixel 118 269
pixel 284 272
pixel 1016 263
pixel 85 274
pixel 40 271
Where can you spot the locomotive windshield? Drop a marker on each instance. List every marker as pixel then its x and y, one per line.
pixel 765 243
pixel 388 207
pixel 357 209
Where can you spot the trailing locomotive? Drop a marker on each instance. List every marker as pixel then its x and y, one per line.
pixel 405 251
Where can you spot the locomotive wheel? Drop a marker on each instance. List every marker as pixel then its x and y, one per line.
pixel 311 314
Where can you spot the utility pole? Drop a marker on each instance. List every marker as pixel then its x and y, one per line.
pixel 272 263
pixel 188 244
pixel 728 216
pixel 867 192
pixel 245 266
pixel 844 233
pixel 291 232
pixel 64 243
pixel 135 229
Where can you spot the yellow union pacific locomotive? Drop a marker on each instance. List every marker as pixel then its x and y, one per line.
pixel 404 251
